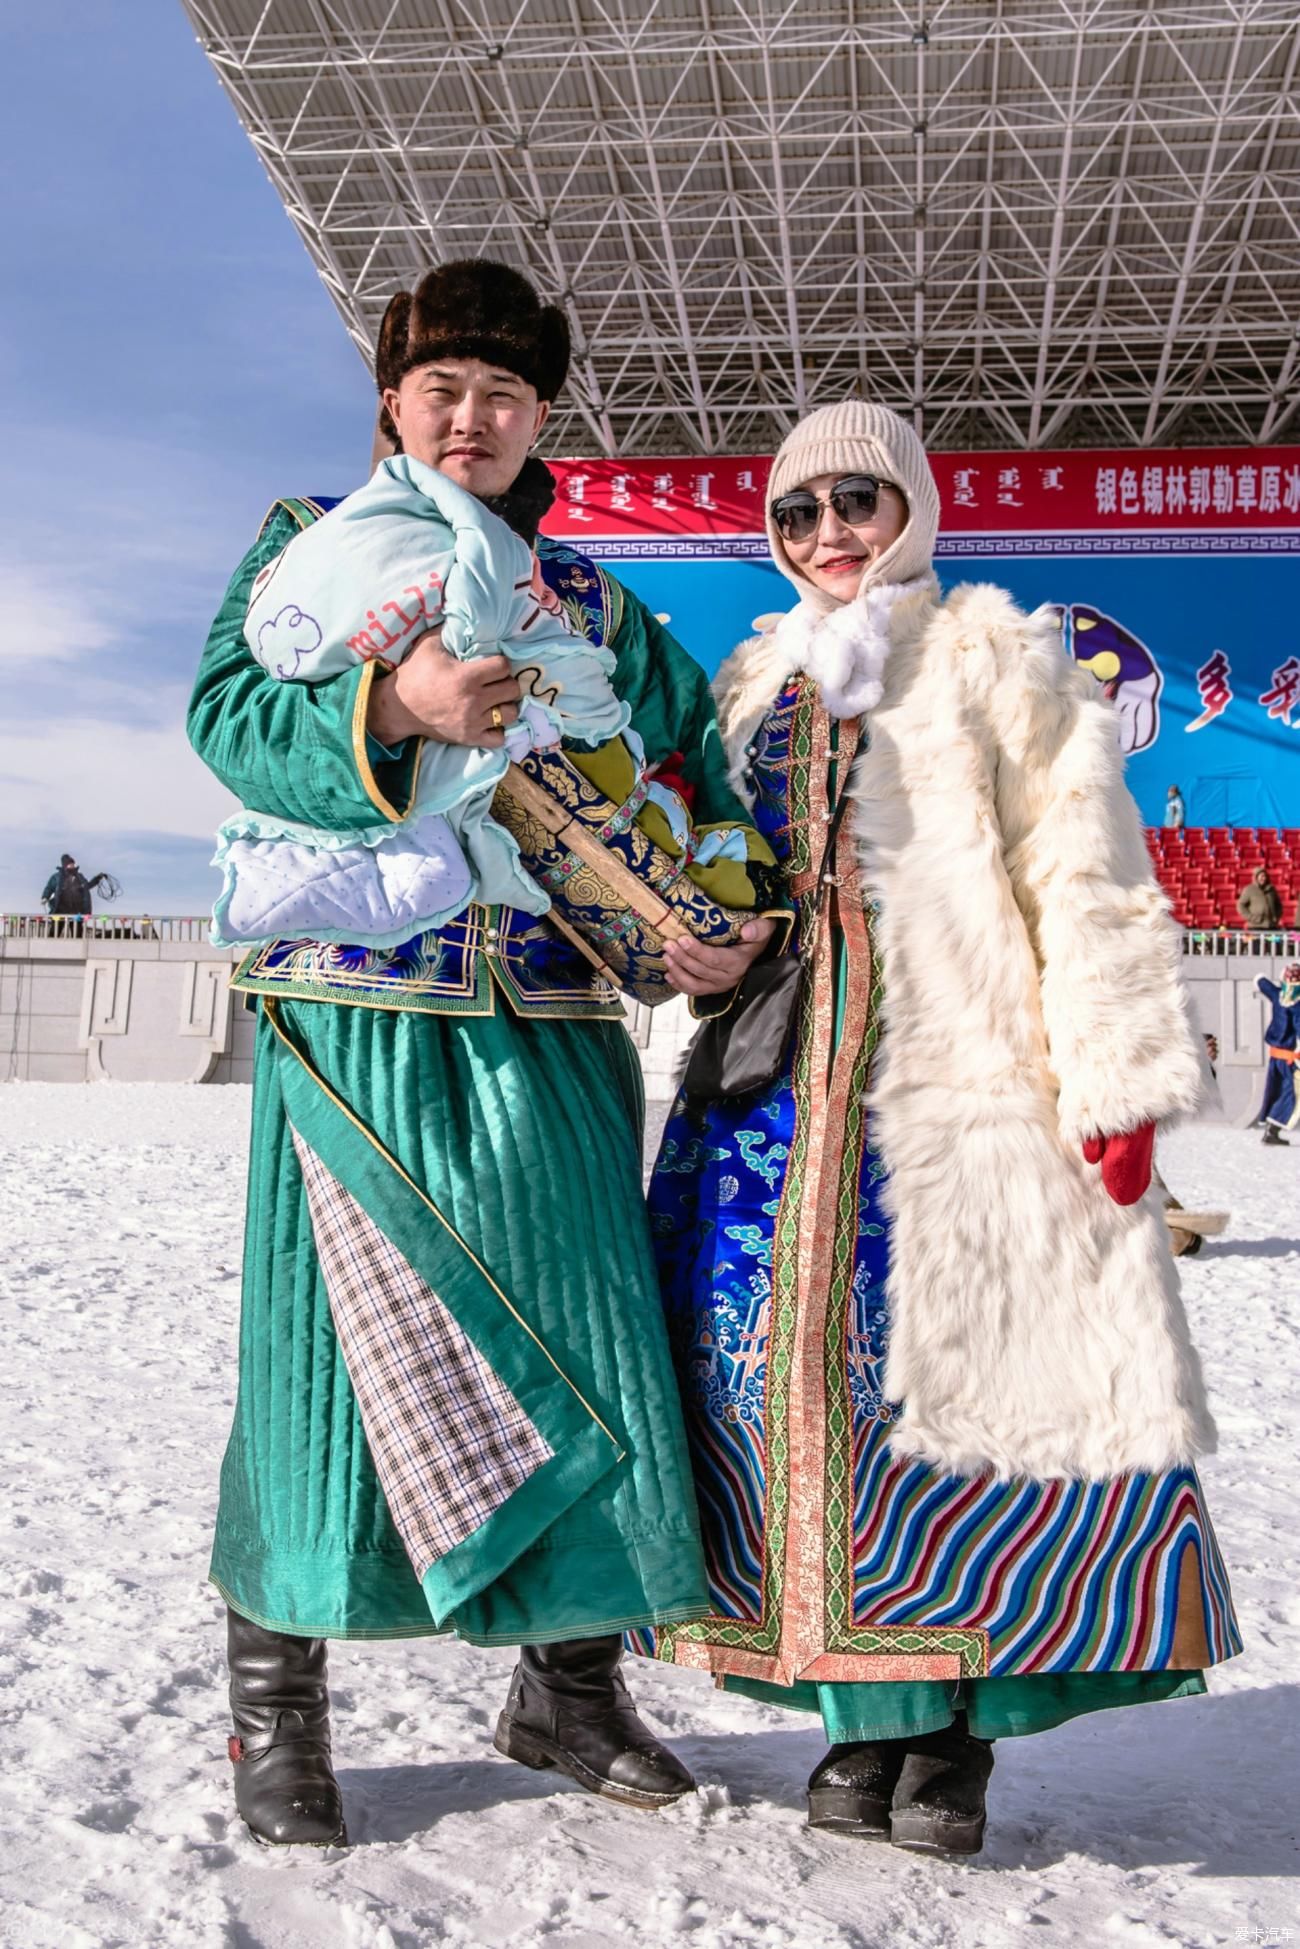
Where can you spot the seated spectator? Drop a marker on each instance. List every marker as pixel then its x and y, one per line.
pixel 1175 810
pixel 1259 903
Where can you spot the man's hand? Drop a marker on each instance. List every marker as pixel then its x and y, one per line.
pixel 435 695
pixel 697 969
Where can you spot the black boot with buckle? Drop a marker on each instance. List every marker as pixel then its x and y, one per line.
pixel 285 1788
pixel 852 1790
pixel 569 1708
pixel 939 1806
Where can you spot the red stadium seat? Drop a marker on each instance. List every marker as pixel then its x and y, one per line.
pixel 1202 870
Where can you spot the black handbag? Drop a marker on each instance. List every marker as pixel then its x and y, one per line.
pixel 745 1050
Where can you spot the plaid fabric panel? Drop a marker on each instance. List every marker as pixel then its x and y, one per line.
pixel 450 1442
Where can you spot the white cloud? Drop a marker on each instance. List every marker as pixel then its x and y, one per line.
pixel 41 623
pixel 107 778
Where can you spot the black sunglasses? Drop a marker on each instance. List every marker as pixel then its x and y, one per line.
pixel 855 499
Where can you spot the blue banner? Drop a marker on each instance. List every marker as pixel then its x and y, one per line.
pixel 1199 651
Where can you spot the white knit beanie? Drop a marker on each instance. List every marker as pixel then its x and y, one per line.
pixel 859 437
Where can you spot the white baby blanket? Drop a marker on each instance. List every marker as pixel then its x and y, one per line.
pixel 409 550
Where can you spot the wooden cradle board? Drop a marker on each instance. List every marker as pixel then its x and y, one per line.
pixel 609 883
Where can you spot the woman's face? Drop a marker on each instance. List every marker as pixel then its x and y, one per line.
pixel 836 556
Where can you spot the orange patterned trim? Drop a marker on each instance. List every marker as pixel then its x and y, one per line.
pixel 834 1062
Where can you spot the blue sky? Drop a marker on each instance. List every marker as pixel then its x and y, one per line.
pixel 169 363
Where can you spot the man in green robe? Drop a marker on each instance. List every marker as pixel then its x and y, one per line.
pixel 456 1410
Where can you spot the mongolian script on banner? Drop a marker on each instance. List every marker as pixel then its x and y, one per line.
pixel 1174 490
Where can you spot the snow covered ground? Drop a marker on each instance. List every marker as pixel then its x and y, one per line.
pixel 119 1222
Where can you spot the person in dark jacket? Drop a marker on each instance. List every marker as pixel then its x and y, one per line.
pixel 1259 902
pixel 67 891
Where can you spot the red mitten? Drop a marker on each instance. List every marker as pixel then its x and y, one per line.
pixel 1125 1162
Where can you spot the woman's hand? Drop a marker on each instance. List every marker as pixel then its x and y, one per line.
pixel 1126 1162
pixel 433 694
pixel 697 969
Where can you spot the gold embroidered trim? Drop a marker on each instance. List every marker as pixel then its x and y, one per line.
pixel 612 598
pixel 271 1010
pixel 361 756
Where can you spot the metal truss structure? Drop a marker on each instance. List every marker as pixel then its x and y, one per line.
pixel 1030 223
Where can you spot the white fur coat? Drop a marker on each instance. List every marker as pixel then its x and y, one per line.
pixel 1032 997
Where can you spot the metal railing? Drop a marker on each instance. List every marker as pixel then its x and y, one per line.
pixel 105 927
pixel 1218 941
pixel 1222 941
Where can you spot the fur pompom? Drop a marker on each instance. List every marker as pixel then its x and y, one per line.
pixel 844 652
pixel 847 651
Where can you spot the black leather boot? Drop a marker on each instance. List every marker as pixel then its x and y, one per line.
pixel 852 1790
pixel 285 1788
pixel 1273 1135
pixel 939 1806
pixel 569 1708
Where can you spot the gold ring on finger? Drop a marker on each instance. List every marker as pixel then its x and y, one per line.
pixel 497 719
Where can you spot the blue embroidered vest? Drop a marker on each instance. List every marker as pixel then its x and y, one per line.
pixel 486 952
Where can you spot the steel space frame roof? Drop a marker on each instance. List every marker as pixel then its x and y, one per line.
pixel 1030 223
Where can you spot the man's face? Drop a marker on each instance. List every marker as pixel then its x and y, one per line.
pixel 1261 877
pixel 473 422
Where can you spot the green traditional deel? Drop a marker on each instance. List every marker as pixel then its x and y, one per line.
pixel 609 881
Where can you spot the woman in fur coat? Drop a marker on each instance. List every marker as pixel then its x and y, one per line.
pixel 942 1403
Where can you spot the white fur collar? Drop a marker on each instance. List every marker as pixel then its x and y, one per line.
pixel 845 652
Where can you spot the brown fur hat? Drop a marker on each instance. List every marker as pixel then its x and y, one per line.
pixel 474 309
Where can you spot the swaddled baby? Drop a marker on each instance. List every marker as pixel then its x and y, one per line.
pixel 410 551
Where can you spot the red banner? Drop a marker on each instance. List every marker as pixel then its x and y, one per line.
pixel 1172 490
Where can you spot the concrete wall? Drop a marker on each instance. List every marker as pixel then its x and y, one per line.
pixel 98 1009
pixel 130 1011
pixel 136 1011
